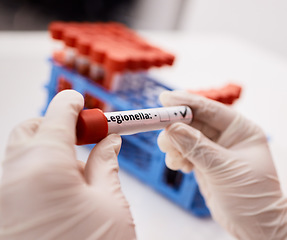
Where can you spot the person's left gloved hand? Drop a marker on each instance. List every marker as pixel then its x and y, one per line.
pixel 45 193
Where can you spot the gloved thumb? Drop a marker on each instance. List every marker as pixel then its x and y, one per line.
pixel 60 120
pixel 193 146
pixel 102 165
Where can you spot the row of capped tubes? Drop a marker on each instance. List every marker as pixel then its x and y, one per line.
pixel 111 46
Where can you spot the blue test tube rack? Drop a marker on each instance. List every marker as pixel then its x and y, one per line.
pixel 139 155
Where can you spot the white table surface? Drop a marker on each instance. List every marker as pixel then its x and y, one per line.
pixel 202 62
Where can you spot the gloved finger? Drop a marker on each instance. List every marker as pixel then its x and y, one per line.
pixel 187 167
pixel 102 166
pixel 194 146
pixel 173 158
pixel 20 136
pixel 23 132
pixel 203 184
pixel 213 113
pixel 163 142
pixel 81 166
pixel 241 131
pixel 59 123
pixel 206 130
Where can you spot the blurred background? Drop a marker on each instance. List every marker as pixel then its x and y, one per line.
pixel 262 22
pixel 215 42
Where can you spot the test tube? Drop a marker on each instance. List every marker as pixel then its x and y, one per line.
pixel 56 30
pixel 93 124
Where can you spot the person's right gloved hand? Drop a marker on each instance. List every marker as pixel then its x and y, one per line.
pixel 233 166
pixel 45 193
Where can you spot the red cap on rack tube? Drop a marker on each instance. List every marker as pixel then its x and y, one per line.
pixel 56 30
pixel 83 44
pixel 92 126
pixel 116 60
pixel 99 51
pixel 70 36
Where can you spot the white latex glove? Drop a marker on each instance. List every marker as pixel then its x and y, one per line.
pixel 233 166
pixel 45 192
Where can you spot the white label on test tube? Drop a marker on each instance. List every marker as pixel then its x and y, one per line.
pixel 135 121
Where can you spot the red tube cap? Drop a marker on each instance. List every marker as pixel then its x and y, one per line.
pixel 56 29
pixel 92 126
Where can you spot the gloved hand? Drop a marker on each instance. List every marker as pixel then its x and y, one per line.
pixel 233 166
pixel 45 192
